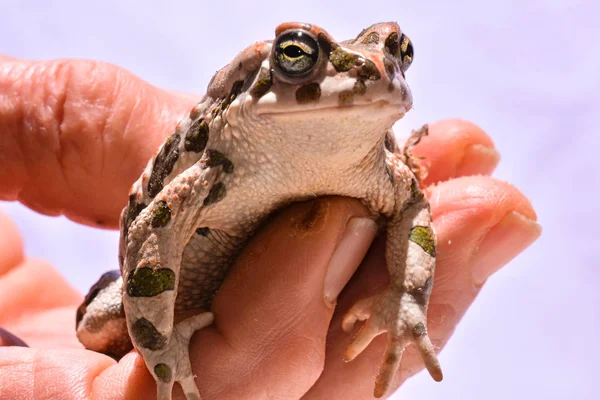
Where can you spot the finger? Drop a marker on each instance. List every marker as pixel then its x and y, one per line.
pixel 467 212
pixel 76 134
pixel 49 374
pixel 273 310
pixel 33 286
pixel 456 148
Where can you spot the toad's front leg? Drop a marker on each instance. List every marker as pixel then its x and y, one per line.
pixel 401 310
pixel 151 272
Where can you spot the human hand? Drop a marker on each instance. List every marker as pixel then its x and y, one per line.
pixel 75 134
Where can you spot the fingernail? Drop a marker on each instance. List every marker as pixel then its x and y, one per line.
pixel 347 256
pixel 513 234
pixel 478 159
pixel 8 339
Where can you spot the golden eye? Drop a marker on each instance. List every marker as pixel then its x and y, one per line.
pixel 406 52
pixel 296 53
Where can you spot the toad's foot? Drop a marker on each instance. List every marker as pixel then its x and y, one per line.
pixel 172 363
pixel 400 315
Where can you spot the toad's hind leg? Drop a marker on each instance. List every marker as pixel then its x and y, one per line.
pixel 173 362
pixel 152 268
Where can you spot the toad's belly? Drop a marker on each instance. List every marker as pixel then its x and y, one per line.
pixel 204 265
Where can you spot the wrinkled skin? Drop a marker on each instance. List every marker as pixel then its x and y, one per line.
pixel 455 149
pixel 286 120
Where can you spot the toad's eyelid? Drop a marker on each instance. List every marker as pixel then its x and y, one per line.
pixel 306 49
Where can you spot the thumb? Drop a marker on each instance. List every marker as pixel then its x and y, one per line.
pixel 278 301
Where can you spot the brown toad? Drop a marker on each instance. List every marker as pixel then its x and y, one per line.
pixel 289 119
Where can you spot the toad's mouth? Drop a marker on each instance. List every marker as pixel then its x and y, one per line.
pixel 368 110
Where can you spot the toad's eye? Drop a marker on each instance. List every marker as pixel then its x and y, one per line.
pixel 296 53
pixel 406 52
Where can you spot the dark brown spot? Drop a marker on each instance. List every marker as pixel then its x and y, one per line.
pixel 163 372
pixel 216 194
pixel 344 61
pixel 214 158
pixel 204 231
pixel 163 164
pixel 362 33
pixel 197 136
pixel 371 38
pixel 389 68
pixel 346 97
pixel 359 87
pixel 149 282
pixel 216 108
pixel 263 83
pixel 161 214
pixel 235 90
pixel 133 210
pixel 391 358
pixel 421 294
pixel 326 44
pixel 147 336
pixel 392 44
pixel 369 71
pixel 308 93
pixel 419 330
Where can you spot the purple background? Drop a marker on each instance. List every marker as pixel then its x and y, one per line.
pixel 526 71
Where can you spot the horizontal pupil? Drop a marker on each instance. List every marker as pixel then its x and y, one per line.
pixel 293 51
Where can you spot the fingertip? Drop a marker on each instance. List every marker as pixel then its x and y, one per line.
pixel 456 147
pixel 491 198
pixel 478 159
pixel 466 212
